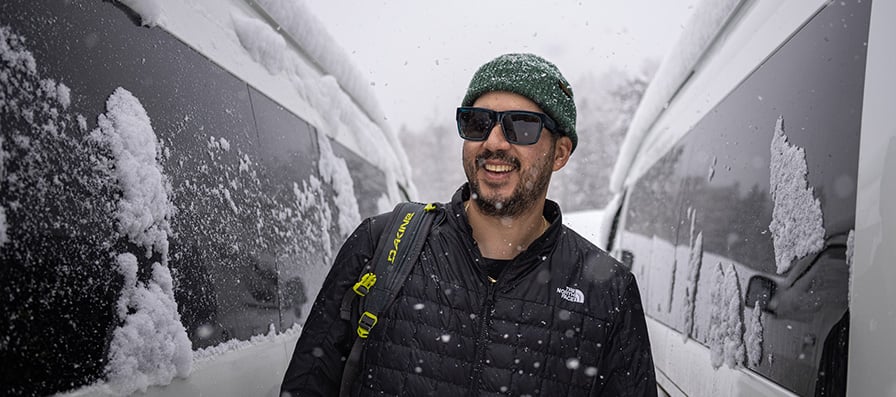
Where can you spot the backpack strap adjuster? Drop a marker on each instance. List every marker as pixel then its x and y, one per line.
pixel 365 323
pixel 363 287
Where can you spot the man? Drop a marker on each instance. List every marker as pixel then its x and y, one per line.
pixel 503 299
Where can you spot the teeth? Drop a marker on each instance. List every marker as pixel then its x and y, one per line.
pixel 498 168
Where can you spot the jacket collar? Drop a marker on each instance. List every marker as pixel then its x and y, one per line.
pixel 527 260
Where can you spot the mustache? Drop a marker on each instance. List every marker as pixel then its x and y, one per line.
pixel 498 155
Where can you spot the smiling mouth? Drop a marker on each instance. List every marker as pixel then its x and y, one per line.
pixel 498 167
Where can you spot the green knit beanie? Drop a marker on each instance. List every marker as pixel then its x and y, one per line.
pixel 532 77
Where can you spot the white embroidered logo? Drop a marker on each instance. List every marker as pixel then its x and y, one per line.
pixel 571 294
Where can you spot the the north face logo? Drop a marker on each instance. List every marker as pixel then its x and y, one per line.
pixel 571 294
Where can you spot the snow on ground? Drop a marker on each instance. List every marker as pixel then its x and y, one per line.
pixel 203 357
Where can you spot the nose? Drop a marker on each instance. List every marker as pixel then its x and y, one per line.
pixel 496 139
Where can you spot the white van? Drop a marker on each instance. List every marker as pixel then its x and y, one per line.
pixel 175 180
pixel 755 201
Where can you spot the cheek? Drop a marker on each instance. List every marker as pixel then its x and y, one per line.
pixel 468 151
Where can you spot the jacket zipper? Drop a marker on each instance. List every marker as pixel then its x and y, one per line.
pixel 482 339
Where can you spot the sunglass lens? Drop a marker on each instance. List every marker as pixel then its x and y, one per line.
pixel 522 128
pixel 474 124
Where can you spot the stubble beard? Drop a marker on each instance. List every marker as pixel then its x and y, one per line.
pixel 533 184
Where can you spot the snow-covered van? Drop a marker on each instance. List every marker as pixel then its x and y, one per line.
pixel 175 179
pixel 755 201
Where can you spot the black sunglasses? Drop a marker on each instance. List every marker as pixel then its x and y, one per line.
pixel 520 127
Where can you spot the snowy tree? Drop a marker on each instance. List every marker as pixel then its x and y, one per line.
pixel 605 106
pixel 435 157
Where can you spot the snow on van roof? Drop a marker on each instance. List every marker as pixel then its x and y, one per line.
pixel 150 11
pixel 267 30
pixel 699 33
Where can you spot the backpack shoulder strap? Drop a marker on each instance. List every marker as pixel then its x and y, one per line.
pixel 396 253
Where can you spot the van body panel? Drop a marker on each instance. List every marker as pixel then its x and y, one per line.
pixel 697 377
pixel 872 292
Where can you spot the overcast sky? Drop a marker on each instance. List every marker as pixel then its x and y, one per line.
pixel 420 55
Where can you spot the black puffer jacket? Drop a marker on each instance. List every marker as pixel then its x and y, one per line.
pixel 563 319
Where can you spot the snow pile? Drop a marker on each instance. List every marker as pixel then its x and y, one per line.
pixel 340 118
pixel 335 171
pixel 796 224
pixel 707 20
pixel 695 262
pixel 754 336
pixel 312 200
pixel 151 346
pixel 726 330
pixel 144 209
pixel 149 10
pixel 265 45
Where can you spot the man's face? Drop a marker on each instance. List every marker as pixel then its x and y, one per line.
pixel 508 179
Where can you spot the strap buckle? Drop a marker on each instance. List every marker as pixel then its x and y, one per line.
pixel 365 323
pixel 363 287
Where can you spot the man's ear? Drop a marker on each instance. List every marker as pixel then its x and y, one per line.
pixel 562 151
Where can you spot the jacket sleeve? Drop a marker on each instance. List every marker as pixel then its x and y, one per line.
pixel 628 362
pixel 326 340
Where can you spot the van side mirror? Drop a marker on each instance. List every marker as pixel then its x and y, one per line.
pixel 760 291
